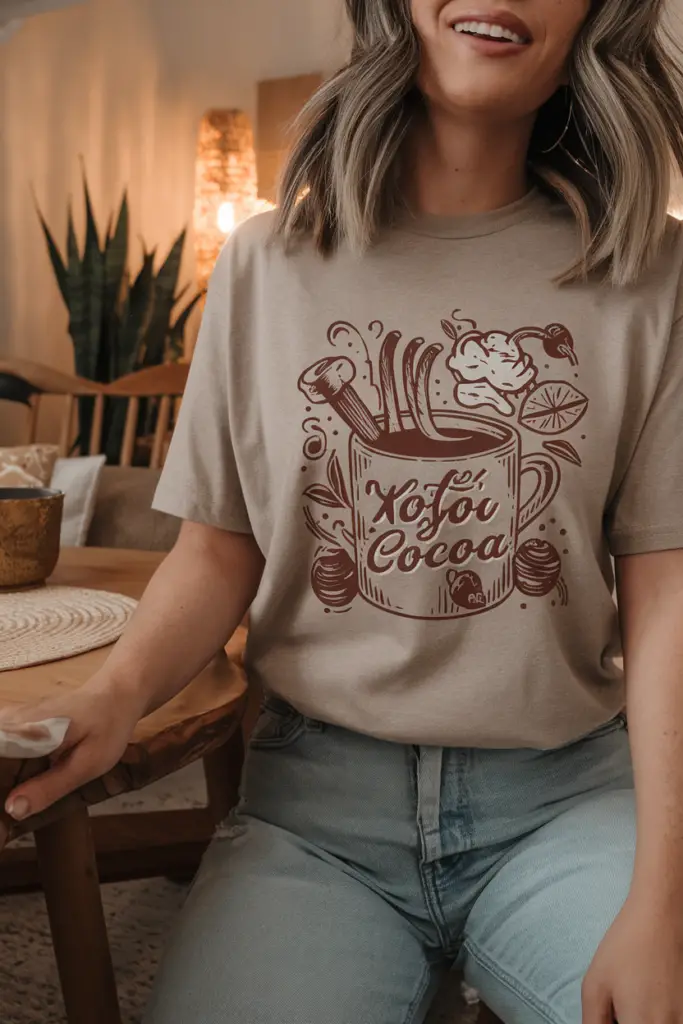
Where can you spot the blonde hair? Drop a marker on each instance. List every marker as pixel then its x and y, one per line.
pixel 612 166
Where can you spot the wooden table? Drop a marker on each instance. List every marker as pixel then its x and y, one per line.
pixel 203 721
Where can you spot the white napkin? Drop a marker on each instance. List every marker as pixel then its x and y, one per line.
pixel 33 739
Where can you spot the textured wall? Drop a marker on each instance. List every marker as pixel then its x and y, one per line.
pixel 124 83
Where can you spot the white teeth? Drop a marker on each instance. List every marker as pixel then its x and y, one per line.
pixel 488 31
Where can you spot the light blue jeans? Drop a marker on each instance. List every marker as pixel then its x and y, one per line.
pixel 356 871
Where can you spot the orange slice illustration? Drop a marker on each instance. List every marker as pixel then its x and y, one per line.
pixel 553 408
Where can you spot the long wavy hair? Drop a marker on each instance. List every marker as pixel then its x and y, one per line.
pixel 612 167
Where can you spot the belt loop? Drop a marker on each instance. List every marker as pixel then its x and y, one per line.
pixel 429 768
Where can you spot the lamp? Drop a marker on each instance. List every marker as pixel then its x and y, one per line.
pixel 226 190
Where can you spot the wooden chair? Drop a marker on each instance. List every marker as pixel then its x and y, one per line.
pixel 29 383
pixel 165 383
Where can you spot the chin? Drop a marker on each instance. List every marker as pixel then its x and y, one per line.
pixel 486 101
pixel 491 91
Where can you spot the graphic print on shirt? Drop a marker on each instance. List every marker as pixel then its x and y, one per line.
pixel 425 511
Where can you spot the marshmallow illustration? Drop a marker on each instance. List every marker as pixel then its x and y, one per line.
pixel 487 367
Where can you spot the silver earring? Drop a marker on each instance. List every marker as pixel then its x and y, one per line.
pixel 566 127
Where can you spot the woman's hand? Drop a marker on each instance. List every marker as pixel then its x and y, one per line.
pixel 637 974
pixel 102 722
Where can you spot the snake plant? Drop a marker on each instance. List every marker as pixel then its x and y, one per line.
pixel 118 323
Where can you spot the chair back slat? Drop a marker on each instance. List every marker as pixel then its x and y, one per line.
pixel 28 382
pixel 97 425
pixel 163 384
pixel 161 431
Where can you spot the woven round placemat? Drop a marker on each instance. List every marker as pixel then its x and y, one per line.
pixel 51 623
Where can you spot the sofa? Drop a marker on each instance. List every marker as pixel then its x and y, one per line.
pixel 123 516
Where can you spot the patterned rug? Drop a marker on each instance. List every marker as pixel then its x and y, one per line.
pixel 139 917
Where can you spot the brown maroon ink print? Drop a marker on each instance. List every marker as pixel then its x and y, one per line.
pixel 538 570
pixel 334 578
pixel 466 588
pixel 433 502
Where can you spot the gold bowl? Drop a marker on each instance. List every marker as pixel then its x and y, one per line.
pixel 30 524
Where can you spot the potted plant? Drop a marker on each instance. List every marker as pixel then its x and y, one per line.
pixel 118 322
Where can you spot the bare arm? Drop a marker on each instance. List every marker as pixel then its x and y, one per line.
pixel 192 606
pixel 636 974
pixel 650 589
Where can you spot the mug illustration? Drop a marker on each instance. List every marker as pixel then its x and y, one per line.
pixel 432 506
pixel 437 520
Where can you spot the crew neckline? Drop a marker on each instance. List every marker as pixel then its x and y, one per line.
pixel 473 225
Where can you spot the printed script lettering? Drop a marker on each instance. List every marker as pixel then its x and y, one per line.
pixel 449 501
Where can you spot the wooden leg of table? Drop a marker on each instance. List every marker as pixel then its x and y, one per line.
pixel 223 769
pixel 72 892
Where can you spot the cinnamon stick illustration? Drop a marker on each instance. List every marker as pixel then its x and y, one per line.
pixel 423 412
pixel 409 357
pixel 330 381
pixel 388 381
pixel 416 383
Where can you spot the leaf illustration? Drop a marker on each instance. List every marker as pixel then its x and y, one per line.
pixel 323 496
pixel 449 330
pixel 318 531
pixel 553 408
pixel 335 475
pixel 564 450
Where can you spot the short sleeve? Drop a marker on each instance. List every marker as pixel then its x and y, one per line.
pixel 200 481
pixel 647 512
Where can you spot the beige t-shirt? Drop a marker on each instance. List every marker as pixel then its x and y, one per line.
pixel 437 449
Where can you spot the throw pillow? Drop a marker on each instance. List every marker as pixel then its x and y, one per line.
pixel 29 465
pixel 78 479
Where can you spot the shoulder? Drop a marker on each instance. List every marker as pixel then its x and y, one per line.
pixel 250 241
pixel 665 276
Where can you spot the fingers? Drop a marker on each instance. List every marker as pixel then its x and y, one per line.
pixel 596 1000
pixel 15 714
pixel 66 775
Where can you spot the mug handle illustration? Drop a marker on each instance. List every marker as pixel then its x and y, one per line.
pixel 548 482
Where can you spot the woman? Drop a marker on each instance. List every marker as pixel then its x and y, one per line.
pixel 420 419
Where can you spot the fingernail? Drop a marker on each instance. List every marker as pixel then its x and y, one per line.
pixel 18 808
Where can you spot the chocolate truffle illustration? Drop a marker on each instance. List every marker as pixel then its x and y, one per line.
pixel 538 569
pixel 466 589
pixel 334 578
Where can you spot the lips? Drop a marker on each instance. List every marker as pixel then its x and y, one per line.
pixel 500 26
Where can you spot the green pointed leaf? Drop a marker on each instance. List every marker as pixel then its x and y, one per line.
pixel 95 277
pixel 92 240
pixel 176 338
pixel 136 317
pixel 78 300
pixel 115 259
pixel 166 282
pixel 169 272
pixel 181 322
pixel 58 264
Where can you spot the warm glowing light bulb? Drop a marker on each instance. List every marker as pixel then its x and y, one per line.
pixel 226 218
pixel 676 211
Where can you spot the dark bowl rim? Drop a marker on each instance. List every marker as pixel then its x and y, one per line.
pixel 29 493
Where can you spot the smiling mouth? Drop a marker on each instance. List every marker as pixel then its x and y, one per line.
pixel 491 31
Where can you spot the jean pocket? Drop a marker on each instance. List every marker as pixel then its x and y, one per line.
pixel 279 725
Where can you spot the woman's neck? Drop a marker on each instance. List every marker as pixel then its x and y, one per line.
pixel 459 168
